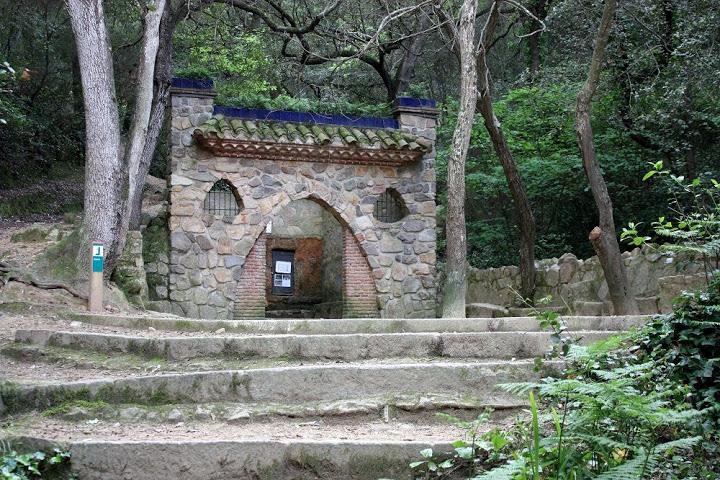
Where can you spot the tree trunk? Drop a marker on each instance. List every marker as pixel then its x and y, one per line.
pixel 539 9
pixel 526 220
pixel 163 76
pixel 108 171
pixel 137 162
pixel 456 247
pixel 104 180
pixel 604 236
pixel 406 69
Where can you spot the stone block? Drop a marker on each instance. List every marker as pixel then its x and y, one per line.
pixel 233 261
pixel 200 296
pixel 193 225
pixel 413 226
pixel 398 272
pixel 225 246
pixel 390 244
pixel 222 275
pixel 217 299
pixel 230 165
pixel 552 276
pixel 195 278
pixel 204 242
pixel 180 242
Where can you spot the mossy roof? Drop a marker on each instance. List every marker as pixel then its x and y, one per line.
pixel 310 134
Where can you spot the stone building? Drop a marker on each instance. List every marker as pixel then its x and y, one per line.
pixel 300 214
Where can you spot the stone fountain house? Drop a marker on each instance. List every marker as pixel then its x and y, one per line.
pixel 276 213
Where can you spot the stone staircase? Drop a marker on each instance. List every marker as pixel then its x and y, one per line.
pixel 138 397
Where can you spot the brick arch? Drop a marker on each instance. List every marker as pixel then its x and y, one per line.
pixel 360 296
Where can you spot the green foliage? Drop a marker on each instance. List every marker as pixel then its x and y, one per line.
pixel 41 104
pixel 683 346
pixel 36 465
pixel 213 48
pixel 692 222
pixel 538 125
pixel 643 405
pixel 299 104
pixel 38 203
pixel 474 449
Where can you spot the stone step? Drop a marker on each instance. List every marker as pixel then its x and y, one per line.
pixel 184 456
pixel 299 384
pixel 345 447
pixel 356 325
pixel 345 347
pixel 290 313
pixel 530 311
pixel 485 310
pixel 416 408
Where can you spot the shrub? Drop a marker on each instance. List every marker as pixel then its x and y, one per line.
pixel 640 405
pixel 683 346
pixel 37 465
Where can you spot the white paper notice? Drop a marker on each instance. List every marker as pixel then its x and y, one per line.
pixel 283 267
pixel 286 280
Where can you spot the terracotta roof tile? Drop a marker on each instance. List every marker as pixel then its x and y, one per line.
pixel 309 134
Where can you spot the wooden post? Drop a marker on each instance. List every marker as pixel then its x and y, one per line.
pixel 95 299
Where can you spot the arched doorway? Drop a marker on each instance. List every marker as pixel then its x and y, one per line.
pixel 304 261
pixel 306 264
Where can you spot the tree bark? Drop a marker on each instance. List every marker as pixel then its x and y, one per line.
pixel 526 220
pixel 456 247
pixel 136 161
pixel 161 95
pixel 406 69
pixel 539 9
pixel 104 182
pixel 603 237
pixel 108 172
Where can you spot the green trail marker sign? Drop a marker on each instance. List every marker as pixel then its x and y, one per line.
pixel 98 257
pixel 95 299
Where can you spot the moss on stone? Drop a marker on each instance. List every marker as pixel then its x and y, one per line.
pixel 29 235
pixel 93 407
pixel 59 259
pixel 156 240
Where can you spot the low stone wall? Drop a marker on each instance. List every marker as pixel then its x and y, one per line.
pixel 579 285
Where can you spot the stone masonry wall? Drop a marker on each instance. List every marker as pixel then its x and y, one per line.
pixel 655 278
pixel 209 253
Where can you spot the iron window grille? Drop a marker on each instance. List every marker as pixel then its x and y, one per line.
pixel 390 207
pixel 223 199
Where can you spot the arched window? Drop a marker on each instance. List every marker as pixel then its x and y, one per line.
pixel 223 199
pixel 390 207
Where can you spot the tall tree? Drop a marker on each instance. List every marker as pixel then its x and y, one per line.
pixel 538 10
pixel 456 248
pixel 104 182
pixel 526 220
pixel 109 168
pixel 161 95
pixel 603 237
pixel 137 159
